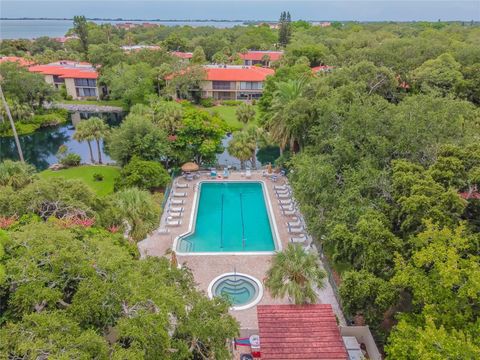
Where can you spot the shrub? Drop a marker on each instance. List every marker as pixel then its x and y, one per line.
pixel 51 118
pixel 71 160
pixel 232 102
pixel 207 102
pixel 97 177
pixel 146 175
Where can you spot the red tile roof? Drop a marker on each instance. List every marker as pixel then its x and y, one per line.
pixel 67 69
pixel 21 61
pixel 182 55
pixel 237 73
pixel 299 332
pixel 258 55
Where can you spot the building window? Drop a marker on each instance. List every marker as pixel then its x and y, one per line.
pixel 86 82
pixel 221 85
pixel 251 85
pixel 86 92
pixel 58 80
pixel 224 95
pixel 248 96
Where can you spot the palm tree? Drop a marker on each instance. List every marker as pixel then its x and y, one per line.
pixel 245 113
pixel 241 146
pixel 138 210
pixel 295 273
pixel 84 133
pixel 280 124
pixel 98 130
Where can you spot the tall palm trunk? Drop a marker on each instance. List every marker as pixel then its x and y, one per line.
pixel 92 160
pixel 99 152
pixel 12 124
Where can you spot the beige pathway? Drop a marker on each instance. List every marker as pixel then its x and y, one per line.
pixel 206 267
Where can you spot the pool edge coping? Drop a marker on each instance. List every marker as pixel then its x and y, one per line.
pixel 271 216
pixel 243 307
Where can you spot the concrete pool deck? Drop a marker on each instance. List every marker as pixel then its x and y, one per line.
pixel 205 268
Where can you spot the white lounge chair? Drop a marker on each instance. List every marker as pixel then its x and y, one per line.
pixel 175 214
pixel 298 239
pixel 296 230
pixel 287 207
pixel 289 212
pixel 177 202
pixel 294 223
pixel 284 196
pixel 285 201
pixel 176 209
pixel 179 194
pixel 182 186
pixel 174 223
pixel 281 187
pixel 248 174
pixel 162 231
pixel 285 191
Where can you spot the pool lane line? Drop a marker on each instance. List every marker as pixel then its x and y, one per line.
pixel 243 223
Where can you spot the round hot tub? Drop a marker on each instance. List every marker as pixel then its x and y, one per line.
pixel 244 291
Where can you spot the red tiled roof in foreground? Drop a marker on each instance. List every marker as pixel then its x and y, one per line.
pixel 304 332
pixel 66 70
pixel 258 55
pixel 21 61
pixel 182 55
pixel 237 73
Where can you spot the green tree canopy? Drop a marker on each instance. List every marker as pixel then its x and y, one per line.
pixel 130 83
pixel 146 175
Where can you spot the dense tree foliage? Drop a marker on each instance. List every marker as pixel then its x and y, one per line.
pixel 147 175
pixel 24 87
pixel 71 290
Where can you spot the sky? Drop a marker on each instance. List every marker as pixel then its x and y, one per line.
pixel 359 10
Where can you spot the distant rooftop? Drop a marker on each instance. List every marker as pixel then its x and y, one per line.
pixel 257 55
pixel 67 69
pixel 140 47
pixel 237 73
pixel 322 68
pixel 19 60
pixel 182 55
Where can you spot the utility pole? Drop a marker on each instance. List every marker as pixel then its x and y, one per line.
pixel 9 115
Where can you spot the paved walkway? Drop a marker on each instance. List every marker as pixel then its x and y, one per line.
pixel 206 267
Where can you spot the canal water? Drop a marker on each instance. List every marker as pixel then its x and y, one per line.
pixel 41 147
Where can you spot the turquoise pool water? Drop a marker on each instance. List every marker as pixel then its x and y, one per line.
pixel 240 290
pixel 231 217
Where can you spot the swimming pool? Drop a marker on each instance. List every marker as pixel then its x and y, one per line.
pixel 229 216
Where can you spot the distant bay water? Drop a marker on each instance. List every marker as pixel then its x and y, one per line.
pixel 30 29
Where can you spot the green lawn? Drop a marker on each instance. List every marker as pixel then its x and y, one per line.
pixel 85 173
pixel 228 114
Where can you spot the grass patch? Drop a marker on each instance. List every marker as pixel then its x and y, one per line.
pixel 85 173
pixel 227 113
pixel 117 103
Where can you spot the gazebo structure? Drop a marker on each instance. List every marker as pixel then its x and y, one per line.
pixel 304 332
